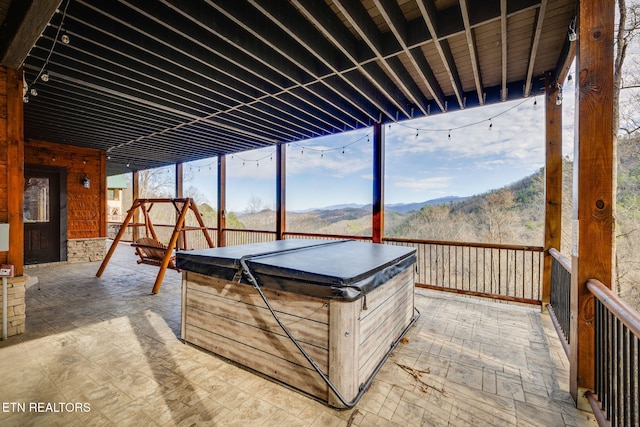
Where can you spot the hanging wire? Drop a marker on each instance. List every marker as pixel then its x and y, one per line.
pixel 53 46
pixel 323 150
pixel 449 130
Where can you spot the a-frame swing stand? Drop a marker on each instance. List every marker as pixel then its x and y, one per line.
pixel 150 249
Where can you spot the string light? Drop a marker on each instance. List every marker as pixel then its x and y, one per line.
pixel 322 150
pixel 43 74
pixel 490 119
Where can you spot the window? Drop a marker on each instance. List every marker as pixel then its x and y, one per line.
pixel 36 200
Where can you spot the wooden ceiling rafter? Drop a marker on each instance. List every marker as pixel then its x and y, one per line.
pixel 221 76
pixel 404 89
pixel 317 14
pixel 429 14
pixel 298 72
pixel 473 50
pixel 504 41
pixel 537 33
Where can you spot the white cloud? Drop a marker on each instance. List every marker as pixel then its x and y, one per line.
pixel 420 184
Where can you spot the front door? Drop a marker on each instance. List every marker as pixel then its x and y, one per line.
pixel 41 216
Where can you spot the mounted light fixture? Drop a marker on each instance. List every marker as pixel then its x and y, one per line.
pixel 573 36
pixel 85 181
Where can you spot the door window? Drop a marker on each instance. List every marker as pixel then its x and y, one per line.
pixel 36 200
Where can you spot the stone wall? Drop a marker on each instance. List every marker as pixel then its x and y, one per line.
pixel 86 250
pixel 15 305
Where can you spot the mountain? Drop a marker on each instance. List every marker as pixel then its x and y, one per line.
pixel 402 208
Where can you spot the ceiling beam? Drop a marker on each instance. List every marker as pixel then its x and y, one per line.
pixel 242 42
pixel 378 88
pixel 368 31
pixel 23 25
pixel 429 14
pixel 394 17
pixel 473 50
pixel 503 36
pixel 537 33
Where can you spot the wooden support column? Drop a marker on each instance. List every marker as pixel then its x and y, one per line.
pixel 281 190
pixel 553 180
pixel 593 180
pixel 179 181
pixel 103 194
pixel 377 228
pixel 135 185
pixel 180 195
pixel 222 199
pixel 15 169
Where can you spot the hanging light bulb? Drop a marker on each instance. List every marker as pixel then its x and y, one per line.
pixel 44 76
pixel 64 38
pixel 33 91
pixel 25 99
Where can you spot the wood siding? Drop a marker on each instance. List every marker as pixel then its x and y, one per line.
pixel 86 207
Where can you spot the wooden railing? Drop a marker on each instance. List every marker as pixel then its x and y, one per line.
pixel 617 354
pixel 560 300
pixel 301 235
pixel 243 236
pixel 503 272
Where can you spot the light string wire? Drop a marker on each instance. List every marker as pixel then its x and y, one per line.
pixel 490 120
pixel 53 46
pixel 270 154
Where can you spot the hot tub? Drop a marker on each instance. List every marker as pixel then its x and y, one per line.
pixel 345 303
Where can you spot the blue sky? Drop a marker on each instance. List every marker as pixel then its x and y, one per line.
pixel 477 158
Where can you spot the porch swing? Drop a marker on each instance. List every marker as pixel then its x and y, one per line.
pixel 150 249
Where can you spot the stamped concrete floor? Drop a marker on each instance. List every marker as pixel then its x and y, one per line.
pixel 104 351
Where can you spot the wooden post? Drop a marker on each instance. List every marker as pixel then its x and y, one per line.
pixel 181 242
pixel 222 199
pixel 377 228
pixel 593 178
pixel 553 181
pixel 135 186
pixel 103 194
pixel 281 190
pixel 15 169
pixel 172 244
pixel 130 214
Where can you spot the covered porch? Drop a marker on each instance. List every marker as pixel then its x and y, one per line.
pixel 126 86
pixel 110 345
